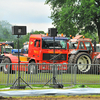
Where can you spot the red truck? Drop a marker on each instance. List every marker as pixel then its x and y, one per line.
pixel 41 50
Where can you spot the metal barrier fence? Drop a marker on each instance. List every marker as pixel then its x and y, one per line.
pixel 44 73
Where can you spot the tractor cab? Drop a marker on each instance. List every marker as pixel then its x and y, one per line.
pixel 79 44
pixel 6 47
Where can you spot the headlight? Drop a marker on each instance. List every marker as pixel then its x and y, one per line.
pixel 64 63
pixel 59 64
pixel 51 64
pixel 43 63
pixel 64 67
pixel 43 67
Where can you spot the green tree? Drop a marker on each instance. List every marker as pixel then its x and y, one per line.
pixel 38 32
pixel 5 32
pixel 75 16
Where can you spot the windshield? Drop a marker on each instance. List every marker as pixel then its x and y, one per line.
pixel 49 44
pixel 97 47
pixel 6 49
pixel 88 45
pixel 73 45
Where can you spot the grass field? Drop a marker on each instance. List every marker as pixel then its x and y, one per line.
pixel 42 78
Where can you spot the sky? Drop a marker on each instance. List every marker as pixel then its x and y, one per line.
pixel 31 13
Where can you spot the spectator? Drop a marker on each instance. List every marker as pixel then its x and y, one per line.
pixel 1 57
pixel 22 50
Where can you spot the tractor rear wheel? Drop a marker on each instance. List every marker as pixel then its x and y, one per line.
pixel 83 61
pixel 7 68
pixel 32 68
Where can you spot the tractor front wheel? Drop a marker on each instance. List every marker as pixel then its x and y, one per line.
pixel 7 68
pixel 32 68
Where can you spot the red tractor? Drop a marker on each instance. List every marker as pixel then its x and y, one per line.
pixel 81 51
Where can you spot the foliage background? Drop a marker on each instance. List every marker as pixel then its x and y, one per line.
pixel 73 17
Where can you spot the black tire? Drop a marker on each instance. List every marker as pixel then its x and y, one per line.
pixel 32 68
pixel 6 68
pixel 95 68
pixel 70 63
pixel 83 58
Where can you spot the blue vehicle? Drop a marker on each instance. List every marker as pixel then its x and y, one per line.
pixel 22 50
pixel 15 51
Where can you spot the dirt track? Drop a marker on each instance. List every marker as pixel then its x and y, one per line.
pixel 53 98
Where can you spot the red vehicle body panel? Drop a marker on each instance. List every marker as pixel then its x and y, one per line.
pixel 14 61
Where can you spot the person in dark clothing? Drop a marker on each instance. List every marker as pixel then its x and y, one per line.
pixel 22 50
pixel 1 57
